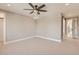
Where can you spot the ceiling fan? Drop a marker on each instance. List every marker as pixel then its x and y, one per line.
pixel 36 8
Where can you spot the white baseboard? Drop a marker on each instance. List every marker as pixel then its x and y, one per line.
pixel 49 38
pixel 13 41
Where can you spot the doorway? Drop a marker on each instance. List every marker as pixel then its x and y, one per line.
pixel 70 28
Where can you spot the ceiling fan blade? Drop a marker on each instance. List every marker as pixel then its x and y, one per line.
pixel 31 5
pixel 31 12
pixel 28 9
pixel 41 6
pixel 43 10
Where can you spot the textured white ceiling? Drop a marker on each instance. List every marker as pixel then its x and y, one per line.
pixel 52 8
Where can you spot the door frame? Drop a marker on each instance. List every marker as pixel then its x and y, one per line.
pixel 62 18
pixel 4 27
pixel 4 31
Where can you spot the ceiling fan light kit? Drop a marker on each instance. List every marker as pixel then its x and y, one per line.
pixel 36 17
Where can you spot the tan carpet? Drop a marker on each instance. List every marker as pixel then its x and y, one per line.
pixel 41 46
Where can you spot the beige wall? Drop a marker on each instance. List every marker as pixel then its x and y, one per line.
pixel 19 26
pixel 50 27
pixel 22 26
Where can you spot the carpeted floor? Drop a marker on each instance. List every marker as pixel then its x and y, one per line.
pixel 39 46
